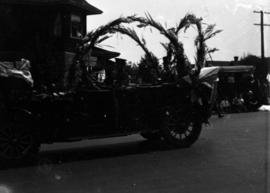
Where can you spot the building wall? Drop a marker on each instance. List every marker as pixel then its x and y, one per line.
pixel 42 35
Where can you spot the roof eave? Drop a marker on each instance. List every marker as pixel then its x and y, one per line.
pixel 84 6
pixel 99 52
pixel 90 9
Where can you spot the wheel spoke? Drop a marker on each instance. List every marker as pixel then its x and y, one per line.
pixel 9 131
pixel 3 139
pixel 3 145
pixel 22 148
pixel 18 135
pixel 25 140
pixel 24 144
pixel 2 133
pixel 6 151
pixel 16 151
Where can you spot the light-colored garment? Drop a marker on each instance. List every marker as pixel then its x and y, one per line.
pixel 19 69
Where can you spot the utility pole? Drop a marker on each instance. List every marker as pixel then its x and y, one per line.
pixel 262 25
pixel 264 68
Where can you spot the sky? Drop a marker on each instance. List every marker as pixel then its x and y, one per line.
pixel 239 37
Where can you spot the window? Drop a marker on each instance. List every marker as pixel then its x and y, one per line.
pixel 76 26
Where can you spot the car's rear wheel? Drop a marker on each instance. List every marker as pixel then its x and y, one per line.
pixel 179 129
pixel 17 143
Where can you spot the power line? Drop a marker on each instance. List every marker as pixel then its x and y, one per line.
pixel 261 11
pixel 262 25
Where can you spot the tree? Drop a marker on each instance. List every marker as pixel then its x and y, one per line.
pixel 148 69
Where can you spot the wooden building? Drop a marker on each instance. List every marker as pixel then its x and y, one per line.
pixel 47 33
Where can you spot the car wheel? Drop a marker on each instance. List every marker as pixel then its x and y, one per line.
pixel 179 129
pixel 17 143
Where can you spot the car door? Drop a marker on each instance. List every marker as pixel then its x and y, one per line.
pixel 93 113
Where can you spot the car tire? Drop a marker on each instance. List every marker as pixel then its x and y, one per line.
pixel 179 129
pixel 17 143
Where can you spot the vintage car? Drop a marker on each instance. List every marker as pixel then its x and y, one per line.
pixel 173 112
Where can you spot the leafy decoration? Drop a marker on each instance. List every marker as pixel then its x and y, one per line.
pixel 175 57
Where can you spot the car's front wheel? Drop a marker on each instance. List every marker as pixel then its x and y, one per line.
pixel 17 143
pixel 179 129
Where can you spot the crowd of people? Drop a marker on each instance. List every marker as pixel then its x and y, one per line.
pixel 246 102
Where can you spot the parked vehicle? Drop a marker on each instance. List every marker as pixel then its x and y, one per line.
pixel 172 111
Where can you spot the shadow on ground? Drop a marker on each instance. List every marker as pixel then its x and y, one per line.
pixel 89 153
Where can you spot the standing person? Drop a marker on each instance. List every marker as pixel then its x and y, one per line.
pixel 241 103
pixel 252 102
pixel 227 105
pixel 215 98
pixel 218 110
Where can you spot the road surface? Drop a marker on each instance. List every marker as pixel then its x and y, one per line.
pixel 229 157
